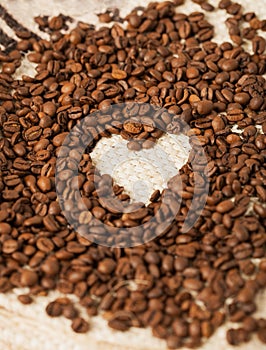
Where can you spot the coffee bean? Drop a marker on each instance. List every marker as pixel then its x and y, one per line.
pixel 180 263
pixel 44 184
pixel 45 245
pixel 5 228
pixel 28 278
pixel 204 107
pixel 54 309
pixel 33 133
pixel 59 139
pixel 70 312
pixel 25 299
pixel 159 332
pixel 229 65
pixel 50 267
pixel 133 128
pixel 261 335
pixel 258 45
pixel 9 246
pixel 242 97
pixel 192 284
pixel 192 73
pixel 118 325
pixel 184 29
pixel 173 342
pixel 249 324
pixel 255 103
pixel 106 266
pixel 225 206
pixel 180 328
pixel 79 325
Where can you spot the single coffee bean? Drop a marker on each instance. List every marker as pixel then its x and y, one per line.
pixel 106 266
pixel 10 246
pixel 54 309
pixel 79 325
pixel 70 312
pixel 204 107
pixel 5 228
pixel 25 299
pixel 44 184
pixel 28 278
pixel 225 206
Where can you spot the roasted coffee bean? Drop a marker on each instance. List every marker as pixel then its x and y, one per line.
pixel 50 267
pixel 28 278
pixel 25 299
pixel 261 335
pixel 9 246
pixel 5 228
pixel 184 29
pixel 249 324
pixel 45 245
pixel 54 309
pixel 204 107
pixel 79 325
pixel 119 325
pixel 44 184
pixel 180 328
pixel 70 312
pixel 173 342
pixel 225 206
pixel 107 266
pixel 33 133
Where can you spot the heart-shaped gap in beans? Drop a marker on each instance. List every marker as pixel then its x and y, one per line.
pixel 141 172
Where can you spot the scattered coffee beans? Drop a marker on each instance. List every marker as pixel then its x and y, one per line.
pixel 166 59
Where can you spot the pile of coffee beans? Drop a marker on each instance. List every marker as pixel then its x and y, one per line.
pixel 182 285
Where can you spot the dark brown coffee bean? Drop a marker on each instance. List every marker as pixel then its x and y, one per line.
pixel 180 328
pixel 173 342
pixel 249 324
pixel 117 324
pixel 231 337
pixel 204 107
pixel 5 228
pixel 59 139
pixel 184 29
pixel 50 267
pixel 70 312
pixel 180 263
pixel 79 325
pixel 54 309
pixel 50 223
pixel 192 284
pixel 28 278
pixel 225 206
pixel 10 246
pixel 242 97
pixel 107 266
pixel 45 245
pixel 44 184
pixel 261 335
pixel 33 133
pixel 159 332
pixel 25 299
pixel 258 45
pixel 229 65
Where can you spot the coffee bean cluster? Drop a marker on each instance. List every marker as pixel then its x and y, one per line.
pixel 182 285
